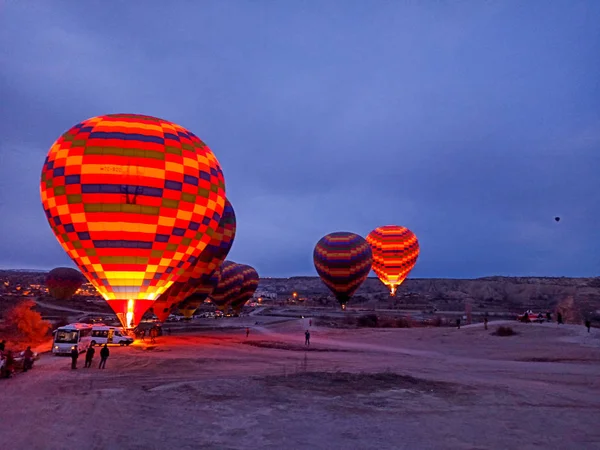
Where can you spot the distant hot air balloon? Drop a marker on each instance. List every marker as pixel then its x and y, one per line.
pixel 395 252
pixel 198 273
pixel 133 200
pixel 189 306
pixel 229 285
pixel 63 282
pixel 557 219
pixel 249 286
pixel 343 261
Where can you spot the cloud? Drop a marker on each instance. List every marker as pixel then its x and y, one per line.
pixel 464 122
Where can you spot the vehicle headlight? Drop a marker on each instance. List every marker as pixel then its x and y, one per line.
pixel 72 347
pixel 56 347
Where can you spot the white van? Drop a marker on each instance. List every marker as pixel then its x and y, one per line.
pixel 69 337
pixel 105 334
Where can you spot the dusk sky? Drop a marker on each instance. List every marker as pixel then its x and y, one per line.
pixel 473 123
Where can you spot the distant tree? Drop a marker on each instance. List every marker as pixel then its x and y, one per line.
pixel 24 324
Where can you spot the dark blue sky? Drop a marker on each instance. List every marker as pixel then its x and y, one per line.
pixel 472 123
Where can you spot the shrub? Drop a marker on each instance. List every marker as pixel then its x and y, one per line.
pixel 504 331
pixel 370 320
pixel 403 322
pixel 24 324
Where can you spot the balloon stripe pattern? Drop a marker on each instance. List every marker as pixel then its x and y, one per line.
pixel 133 200
pixel 189 306
pixel 229 286
pixel 343 261
pixel 208 262
pixel 248 287
pixel 395 253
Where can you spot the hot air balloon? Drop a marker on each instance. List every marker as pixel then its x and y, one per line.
pixel 557 219
pixel 249 286
pixel 199 272
pixel 189 306
pixel 133 200
pixel 343 261
pixel 229 285
pixel 63 282
pixel 395 252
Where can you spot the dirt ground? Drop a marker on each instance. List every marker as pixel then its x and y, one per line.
pixel 425 388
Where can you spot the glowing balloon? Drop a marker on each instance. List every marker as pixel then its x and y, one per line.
pixel 133 200
pixel 395 252
pixel 249 286
pixel 63 282
pixel 189 306
pixel 198 273
pixel 343 261
pixel 229 285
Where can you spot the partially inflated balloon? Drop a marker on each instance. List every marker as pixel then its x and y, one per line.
pixel 395 253
pixel 133 200
pixel 63 282
pixel 200 270
pixel 343 261
pixel 189 306
pixel 249 286
pixel 229 285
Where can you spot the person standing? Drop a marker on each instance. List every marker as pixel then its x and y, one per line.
pixel 307 338
pixel 485 322
pixel 104 354
pixel 559 318
pixel 89 356
pixel 27 359
pixel 247 332
pixel 74 356
pixel 458 323
pixel 588 324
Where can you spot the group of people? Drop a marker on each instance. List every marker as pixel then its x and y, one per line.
pixel 8 362
pixel 89 357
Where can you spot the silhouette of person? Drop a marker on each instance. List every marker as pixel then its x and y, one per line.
pixel 74 356
pixel 104 354
pixel 89 356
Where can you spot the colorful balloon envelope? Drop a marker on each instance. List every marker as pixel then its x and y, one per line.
pixel 189 306
pixel 343 261
pixel 199 272
pixel 63 282
pixel 249 286
pixel 133 200
pixel 229 285
pixel 395 253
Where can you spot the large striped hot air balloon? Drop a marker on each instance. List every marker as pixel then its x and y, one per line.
pixel 189 306
pixel 63 282
pixel 395 253
pixel 229 285
pixel 249 286
pixel 133 200
pixel 200 270
pixel 343 261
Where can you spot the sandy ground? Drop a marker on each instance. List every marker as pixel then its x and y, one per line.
pixel 427 388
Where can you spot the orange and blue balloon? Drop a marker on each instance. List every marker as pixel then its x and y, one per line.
pixel 343 261
pixel 395 253
pixel 133 200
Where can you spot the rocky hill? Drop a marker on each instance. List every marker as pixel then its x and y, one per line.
pixel 581 296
